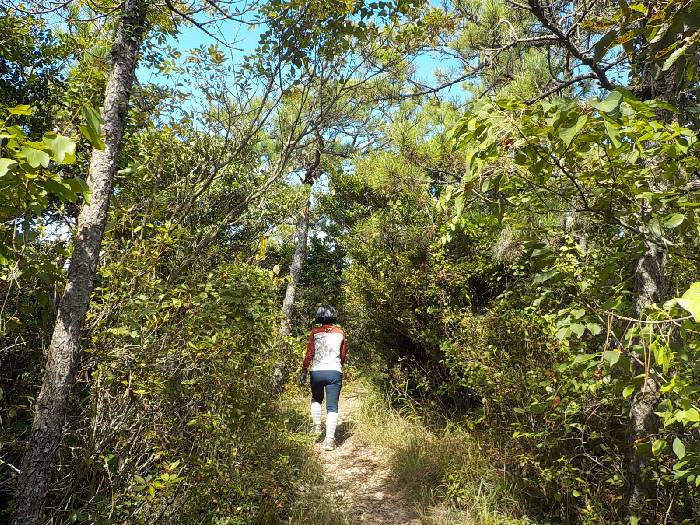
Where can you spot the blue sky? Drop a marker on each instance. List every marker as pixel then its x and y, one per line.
pixel 242 40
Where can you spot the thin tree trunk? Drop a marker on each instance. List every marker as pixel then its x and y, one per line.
pixel 281 372
pixel 64 350
pixel 643 423
pixel 282 368
pixel 650 287
pixel 302 237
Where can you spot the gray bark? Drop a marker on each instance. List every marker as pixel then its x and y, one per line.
pixel 643 423
pixel 65 350
pixel 302 237
pixel 282 368
pixel 650 287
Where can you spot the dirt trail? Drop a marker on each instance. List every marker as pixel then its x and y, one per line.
pixel 357 473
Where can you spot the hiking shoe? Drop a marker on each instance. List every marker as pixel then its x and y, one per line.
pixel 329 444
pixel 316 430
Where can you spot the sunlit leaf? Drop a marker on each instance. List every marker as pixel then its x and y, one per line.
pixel 678 448
pixel 690 300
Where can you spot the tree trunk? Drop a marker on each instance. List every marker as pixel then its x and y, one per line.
pixel 313 171
pixel 650 287
pixel 302 236
pixel 281 372
pixel 64 350
pixel 643 423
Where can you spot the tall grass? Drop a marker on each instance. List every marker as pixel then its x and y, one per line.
pixel 446 471
pixel 315 503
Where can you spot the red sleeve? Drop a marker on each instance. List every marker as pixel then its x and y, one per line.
pixel 309 351
pixel 343 349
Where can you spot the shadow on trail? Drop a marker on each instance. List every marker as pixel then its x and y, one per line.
pixel 343 432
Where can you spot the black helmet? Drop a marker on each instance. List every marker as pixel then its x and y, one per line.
pixel 326 314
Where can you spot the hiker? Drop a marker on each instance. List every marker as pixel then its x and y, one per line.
pixel 326 356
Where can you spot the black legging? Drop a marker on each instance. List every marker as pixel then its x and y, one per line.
pixel 329 380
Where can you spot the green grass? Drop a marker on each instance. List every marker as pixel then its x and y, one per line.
pixel 447 472
pixel 314 505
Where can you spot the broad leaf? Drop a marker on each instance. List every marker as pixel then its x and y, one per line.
pixel 92 130
pixel 34 157
pixel 611 357
pixel 674 220
pixel 5 165
pixel 676 55
pixel 678 448
pixel 567 134
pixel 62 148
pixel 21 109
pixel 610 104
pixel 658 446
pixel 691 301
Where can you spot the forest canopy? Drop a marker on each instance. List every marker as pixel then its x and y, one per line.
pixel 499 197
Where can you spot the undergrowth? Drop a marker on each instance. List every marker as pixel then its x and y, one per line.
pixel 446 471
pixel 313 503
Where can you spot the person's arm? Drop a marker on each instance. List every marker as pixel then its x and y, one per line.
pixel 310 350
pixel 343 349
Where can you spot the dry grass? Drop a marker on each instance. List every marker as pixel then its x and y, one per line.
pixel 447 471
pixel 314 504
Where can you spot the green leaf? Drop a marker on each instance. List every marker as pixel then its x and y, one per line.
pixel 678 448
pixel 688 416
pixel 459 205
pixel 16 132
pixel 658 446
pixel 614 133
pixel 5 165
pixel 34 157
pixel 78 185
pixel 602 46
pixel 628 391
pixel 610 104
pixel 578 329
pixel 583 358
pixel 655 228
pixel 21 109
pixel 563 333
pixel 691 301
pixel 92 117
pixel 62 148
pixel 674 220
pixel 92 130
pixel 567 134
pixel 544 276
pixel 676 55
pixel 611 357
pixel 594 328
pixel 94 140
pixel 61 190
pixel 577 313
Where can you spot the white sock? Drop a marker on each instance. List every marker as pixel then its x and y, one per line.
pixel 331 422
pixel 316 412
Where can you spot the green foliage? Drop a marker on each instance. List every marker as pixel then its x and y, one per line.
pixel 444 470
pixel 304 31
pixel 486 264
pixel 31 58
pixel 31 181
pixel 185 370
pixel 665 35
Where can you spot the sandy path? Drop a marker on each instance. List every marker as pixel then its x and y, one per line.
pixel 357 473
